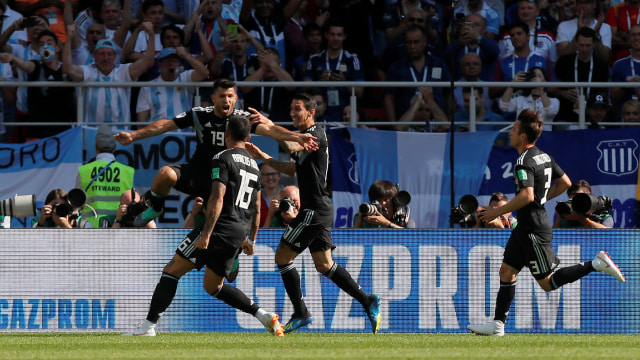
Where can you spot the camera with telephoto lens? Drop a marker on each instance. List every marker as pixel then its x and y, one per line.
pixel 463 214
pixel 583 203
pixel 287 204
pixel 19 206
pixel 75 199
pixel 369 209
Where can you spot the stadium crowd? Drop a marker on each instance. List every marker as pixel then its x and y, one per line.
pixel 318 40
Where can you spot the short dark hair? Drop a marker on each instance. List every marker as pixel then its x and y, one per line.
pixel 48 33
pixel 587 32
pixel 519 24
pixel 309 102
pixel 175 29
pixel 382 189
pixel 310 27
pixel 54 194
pixel 223 83
pixel 577 186
pixel 530 124
pixel 239 127
pixel 149 3
pixel 416 27
pixel 498 196
pixel 335 23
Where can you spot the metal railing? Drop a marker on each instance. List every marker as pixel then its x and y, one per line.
pixel 347 84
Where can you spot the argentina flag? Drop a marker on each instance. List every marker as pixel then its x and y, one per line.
pixel 420 164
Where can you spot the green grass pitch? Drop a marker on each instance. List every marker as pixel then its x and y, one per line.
pixel 311 346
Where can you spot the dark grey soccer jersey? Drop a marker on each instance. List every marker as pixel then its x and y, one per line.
pixel 239 172
pixel 535 168
pixel 209 129
pixel 311 169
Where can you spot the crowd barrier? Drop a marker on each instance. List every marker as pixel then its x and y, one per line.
pixel 431 281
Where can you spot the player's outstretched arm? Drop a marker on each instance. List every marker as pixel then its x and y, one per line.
pixel 153 129
pixel 266 127
pixel 285 167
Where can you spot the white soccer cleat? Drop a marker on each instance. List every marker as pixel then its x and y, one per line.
pixel 147 328
pixel 603 263
pixel 271 322
pixel 494 328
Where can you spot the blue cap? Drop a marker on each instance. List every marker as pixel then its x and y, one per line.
pixel 166 52
pixel 105 43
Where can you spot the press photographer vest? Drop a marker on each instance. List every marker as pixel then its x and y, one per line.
pixel 103 194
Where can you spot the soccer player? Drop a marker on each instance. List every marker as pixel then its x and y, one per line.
pixel 530 242
pixel 209 123
pixel 312 227
pixel 233 210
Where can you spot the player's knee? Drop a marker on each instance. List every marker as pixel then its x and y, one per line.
pixel 212 288
pixel 545 284
pixel 507 275
pixel 323 267
pixel 167 174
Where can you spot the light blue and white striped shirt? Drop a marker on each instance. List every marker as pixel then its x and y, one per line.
pixel 166 102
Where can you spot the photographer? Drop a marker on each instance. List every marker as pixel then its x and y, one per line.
pixel 281 212
pixel 52 215
pixel 388 212
pixel 130 207
pixel 530 98
pixel 566 217
pixel 504 221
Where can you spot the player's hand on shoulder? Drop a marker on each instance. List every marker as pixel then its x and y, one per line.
pixel 255 151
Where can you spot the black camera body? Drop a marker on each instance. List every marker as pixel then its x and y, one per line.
pixel 585 203
pixel 463 213
pixel 133 210
pixel 287 204
pixel 28 22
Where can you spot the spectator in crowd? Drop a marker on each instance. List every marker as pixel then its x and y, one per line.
pixel 208 23
pixel 382 196
pixel 573 219
pixel 335 64
pixel 313 44
pixel 7 94
pixel 631 112
pixel 52 10
pixel 161 102
pixel 270 190
pixel 541 41
pixel 85 18
pixel 233 60
pixel 471 66
pixel 113 17
pixel 585 10
pixel 27 51
pixel 9 17
pixel 266 99
pixel 130 206
pixel 504 221
pixel 583 67
pixel 481 8
pixel 620 17
pixel 472 41
pixel 279 214
pixel 107 104
pixel 318 96
pixel 104 179
pixel 536 98
pixel 265 20
pixel 400 15
pixel 294 37
pixel 43 102
pixel 136 46
pixel 397 49
pixel 55 212
pixel 484 116
pixel 627 70
pixel 554 13
pixel 417 67
pixel 423 111
pixel 521 61
pixel 346 115
pixel 597 109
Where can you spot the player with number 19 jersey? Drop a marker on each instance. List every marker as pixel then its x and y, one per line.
pixel 238 171
pixel 535 168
